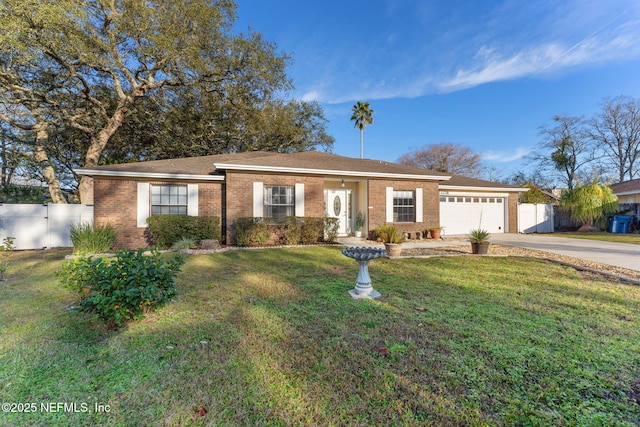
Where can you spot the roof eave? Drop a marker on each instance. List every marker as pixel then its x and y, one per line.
pixel 155 175
pixel 475 188
pixel 253 168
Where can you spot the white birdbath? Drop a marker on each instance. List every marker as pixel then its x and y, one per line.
pixel 363 256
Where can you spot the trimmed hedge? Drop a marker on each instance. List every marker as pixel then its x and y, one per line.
pixel 290 230
pixel 165 230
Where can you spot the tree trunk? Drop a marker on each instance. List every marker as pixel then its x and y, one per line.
pixel 42 137
pixel 92 158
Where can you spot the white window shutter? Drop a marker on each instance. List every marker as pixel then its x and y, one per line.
pixel 419 213
pixel 389 205
pixel 143 204
pixel 192 199
pixel 258 199
pixel 299 198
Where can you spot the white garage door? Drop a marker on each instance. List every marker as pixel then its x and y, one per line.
pixel 460 214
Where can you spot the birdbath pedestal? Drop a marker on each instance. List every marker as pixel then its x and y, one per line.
pixel 363 256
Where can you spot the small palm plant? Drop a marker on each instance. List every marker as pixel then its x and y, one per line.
pixel 479 235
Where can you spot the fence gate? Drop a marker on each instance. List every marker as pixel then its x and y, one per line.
pixel 535 218
pixel 41 226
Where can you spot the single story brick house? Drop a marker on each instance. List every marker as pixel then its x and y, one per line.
pixel 310 183
pixel 628 193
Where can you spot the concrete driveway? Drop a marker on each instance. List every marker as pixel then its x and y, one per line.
pixel 623 255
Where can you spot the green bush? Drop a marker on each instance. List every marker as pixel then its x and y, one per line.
pixel 311 230
pixel 290 230
pixel 330 229
pixel 252 231
pixel 388 233
pixel 6 250
pixel 90 238
pixel 165 230
pixel 123 288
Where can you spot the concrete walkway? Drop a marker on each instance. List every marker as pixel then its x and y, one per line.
pixel 622 255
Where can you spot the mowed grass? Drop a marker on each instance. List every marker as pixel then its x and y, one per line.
pixel 603 236
pixel 271 338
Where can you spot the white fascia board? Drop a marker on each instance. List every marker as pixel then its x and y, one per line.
pixel 446 187
pixel 628 193
pixel 230 166
pixel 123 174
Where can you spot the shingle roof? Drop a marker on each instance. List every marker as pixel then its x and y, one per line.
pixel 307 160
pixel 302 162
pixel 318 161
pixel 632 186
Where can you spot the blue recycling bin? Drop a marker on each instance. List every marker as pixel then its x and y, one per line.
pixel 619 224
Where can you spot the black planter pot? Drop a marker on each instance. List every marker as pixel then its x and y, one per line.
pixel 480 248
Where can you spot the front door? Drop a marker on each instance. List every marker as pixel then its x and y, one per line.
pixel 337 205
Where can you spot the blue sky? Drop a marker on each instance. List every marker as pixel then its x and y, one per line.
pixel 484 74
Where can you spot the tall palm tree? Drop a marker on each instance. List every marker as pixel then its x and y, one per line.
pixel 363 116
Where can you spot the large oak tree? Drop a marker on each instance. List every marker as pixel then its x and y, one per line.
pixel 85 65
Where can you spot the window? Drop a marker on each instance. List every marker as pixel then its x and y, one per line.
pixel 279 201
pixel 169 199
pixel 403 206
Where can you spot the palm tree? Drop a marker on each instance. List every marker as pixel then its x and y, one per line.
pixel 363 116
pixel 590 202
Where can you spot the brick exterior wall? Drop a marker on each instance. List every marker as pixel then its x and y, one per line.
pixel 116 203
pixel 512 209
pixel 239 195
pixel 377 204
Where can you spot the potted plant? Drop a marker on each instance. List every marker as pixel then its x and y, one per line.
pixel 434 231
pixel 357 225
pixel 479 239
pixel 392 239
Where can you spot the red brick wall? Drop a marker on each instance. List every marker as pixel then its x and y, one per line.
pixel 377 203
pixel 239 194
pixel 512 208
pixel 116 203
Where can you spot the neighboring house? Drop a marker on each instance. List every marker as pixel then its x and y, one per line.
pixel 265 184
pixel 628 193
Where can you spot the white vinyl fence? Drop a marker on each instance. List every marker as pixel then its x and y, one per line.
pixel 42 226
pixel 535 218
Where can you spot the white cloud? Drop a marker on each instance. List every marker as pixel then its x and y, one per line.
pixel 504 157
pixel 507 44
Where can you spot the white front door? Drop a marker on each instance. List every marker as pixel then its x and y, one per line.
pixel 337 206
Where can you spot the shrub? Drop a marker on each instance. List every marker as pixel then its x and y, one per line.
pixel 251 231
pixel 165 230
pixel 123 288
pixel 184 243
pixel 330 229
pixel 289 231
pixel 6 250
pixel 388 233
pixel 311 230
pixel 90 238
pixel 286 231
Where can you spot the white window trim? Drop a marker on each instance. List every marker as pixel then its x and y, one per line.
pixel 258 199
pixel 299 200
pixel 389 205
pixel 418 202
pixel 144 202
pixel 192 199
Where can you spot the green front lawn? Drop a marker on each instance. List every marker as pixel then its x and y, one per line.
pixel 604 236
pixel 271 337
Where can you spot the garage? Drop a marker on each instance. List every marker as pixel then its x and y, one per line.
pixel 460 213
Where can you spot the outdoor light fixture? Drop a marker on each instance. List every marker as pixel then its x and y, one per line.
pixel 343 183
